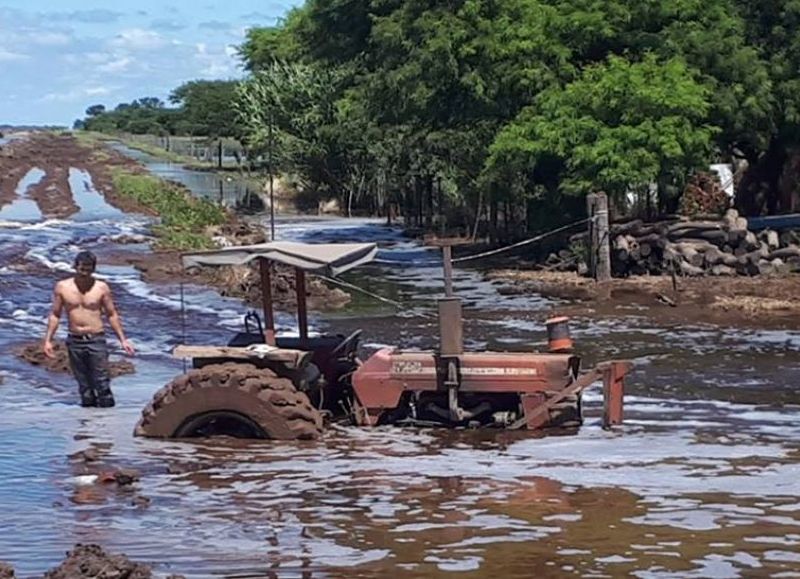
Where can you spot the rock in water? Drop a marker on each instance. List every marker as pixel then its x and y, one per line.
pixel 6 571
pixel 85 561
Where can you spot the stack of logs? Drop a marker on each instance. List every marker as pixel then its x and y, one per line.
pixel 721 247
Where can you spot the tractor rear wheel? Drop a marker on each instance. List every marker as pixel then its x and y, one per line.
pixel 230 399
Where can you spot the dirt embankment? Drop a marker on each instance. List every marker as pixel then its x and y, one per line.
pixel 764 300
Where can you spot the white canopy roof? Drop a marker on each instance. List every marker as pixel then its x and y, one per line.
pixel 323 258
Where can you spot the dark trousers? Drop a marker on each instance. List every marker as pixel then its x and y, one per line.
pixel 88 358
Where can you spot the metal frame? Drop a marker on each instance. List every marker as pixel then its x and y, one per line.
pixel 265 268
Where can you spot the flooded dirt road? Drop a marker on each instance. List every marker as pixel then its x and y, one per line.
pixel 703 481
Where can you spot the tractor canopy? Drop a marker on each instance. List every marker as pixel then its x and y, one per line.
pixel 329 259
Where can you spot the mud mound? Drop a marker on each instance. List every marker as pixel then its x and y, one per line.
pixel 91 561
pixel 237 233
pixel 237 281
pixel 6 571
pixel 33 354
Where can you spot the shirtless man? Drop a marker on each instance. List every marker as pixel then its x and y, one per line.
pixel 85 300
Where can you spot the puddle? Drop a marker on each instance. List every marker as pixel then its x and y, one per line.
pixel 231 190
pixel 91 204
pixel 23 209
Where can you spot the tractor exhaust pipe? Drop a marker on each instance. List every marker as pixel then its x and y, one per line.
pixel 558 338
pixel 451 346
pixel 451 330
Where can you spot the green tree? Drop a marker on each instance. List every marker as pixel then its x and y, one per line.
pixel 208 107
pixel 619 126
pixel 95 110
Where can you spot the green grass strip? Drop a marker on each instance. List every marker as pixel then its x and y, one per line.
pixel 184 218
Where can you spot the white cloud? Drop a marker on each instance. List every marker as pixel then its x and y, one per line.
pixel 97 91
pixel 8 56
pixel 59 66
pixel 116 65
pixel 217 69
pixel 77 94
pixel 139 39
pixel 215 61
pixel 50 38
pixel 94 57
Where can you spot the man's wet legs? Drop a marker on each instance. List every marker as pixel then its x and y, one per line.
pixel 98 361
pixel 88 359
pixel 79 363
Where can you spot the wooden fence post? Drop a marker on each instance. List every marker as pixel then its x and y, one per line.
pixel 603 241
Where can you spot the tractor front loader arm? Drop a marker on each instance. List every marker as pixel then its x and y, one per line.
pixel 613 375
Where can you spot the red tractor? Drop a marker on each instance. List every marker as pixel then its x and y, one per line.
pixel 263 386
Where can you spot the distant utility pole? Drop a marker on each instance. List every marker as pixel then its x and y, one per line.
pixel 271 191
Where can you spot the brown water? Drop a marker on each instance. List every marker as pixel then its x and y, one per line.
pixel 701 482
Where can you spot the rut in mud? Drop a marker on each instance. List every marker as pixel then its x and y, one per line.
pixel 56 156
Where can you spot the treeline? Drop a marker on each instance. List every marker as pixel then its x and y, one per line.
pixel 505 113
pixel 199 108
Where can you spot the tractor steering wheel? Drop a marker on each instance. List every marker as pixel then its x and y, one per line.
pixel 346 342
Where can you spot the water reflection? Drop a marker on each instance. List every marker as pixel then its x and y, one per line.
pixel 236 191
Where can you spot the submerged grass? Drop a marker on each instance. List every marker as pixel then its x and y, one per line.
pixel 184 219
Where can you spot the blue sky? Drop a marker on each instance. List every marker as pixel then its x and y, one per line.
pixel 59 57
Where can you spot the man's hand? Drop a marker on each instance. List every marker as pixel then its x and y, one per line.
pixel 47 347
pixel 128 347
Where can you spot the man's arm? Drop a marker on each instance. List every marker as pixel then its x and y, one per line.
pixel 52 322
pixel 115 321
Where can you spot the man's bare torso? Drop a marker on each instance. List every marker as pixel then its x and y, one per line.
pixel 84 304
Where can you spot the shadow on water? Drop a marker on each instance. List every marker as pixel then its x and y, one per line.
pixel 700 482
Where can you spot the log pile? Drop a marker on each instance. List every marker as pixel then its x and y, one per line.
pixel 719 247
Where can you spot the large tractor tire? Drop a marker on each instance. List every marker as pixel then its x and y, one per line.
pixel 230 399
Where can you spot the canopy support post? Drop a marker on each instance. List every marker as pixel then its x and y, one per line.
pixel 302 314
pixel 266 300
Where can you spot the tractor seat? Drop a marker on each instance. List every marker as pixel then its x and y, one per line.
pixel 243 339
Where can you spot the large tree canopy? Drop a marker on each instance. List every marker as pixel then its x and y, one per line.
pixel 567 94
pixel 619 126
pixel 207 107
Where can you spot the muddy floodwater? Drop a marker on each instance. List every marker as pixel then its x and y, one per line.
pixel 702 481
